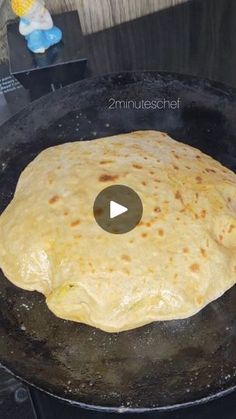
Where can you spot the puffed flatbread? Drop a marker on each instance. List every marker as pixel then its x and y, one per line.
pixel 179 258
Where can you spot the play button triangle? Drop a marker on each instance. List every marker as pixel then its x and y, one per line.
pixel 116 209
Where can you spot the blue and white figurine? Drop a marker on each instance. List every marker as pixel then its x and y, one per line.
pixel 36 25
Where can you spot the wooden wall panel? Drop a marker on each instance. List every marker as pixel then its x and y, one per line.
pixel 95 15
pixel 186 36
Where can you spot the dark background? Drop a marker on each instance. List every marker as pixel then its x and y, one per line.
pixel 196 37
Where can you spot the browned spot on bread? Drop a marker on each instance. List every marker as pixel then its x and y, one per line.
pixel 210 171
pixel 54 199
pixel 108 178
pixel 195 267
pixel 102 162
pixel 198 179
pixel 176 167
pixel 152 173
pixel 186 250
pixel 199 300
pixel 157 180
pixel 198 157
pixel 144 183
pixel 161 232
pixel 203 252
pixel 176 156
pixel 144 235
pixel 178 195
pixel 148 224
pixel 137 166
pixel 66 213
pixel 75 223
pixel 203 213
pixel 127 258
pixel 157 209
pixel 220 237
pixel 231 227
pixel 229 199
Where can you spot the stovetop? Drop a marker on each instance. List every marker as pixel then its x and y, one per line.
pixel 17 400
pixel 14 398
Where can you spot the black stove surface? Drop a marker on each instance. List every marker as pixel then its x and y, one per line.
pixel 17 401
pixel 48 408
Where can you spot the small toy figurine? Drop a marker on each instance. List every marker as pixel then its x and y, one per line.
pixel 36 24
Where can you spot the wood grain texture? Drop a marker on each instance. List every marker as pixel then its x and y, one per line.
pixel 100 14
pixel 193 36
pixel 95 15
pixel 196 37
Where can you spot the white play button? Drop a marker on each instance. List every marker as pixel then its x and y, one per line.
pixel 116 209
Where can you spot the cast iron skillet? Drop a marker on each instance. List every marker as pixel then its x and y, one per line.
pixel 159 366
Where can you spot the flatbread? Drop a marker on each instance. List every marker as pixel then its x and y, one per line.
pixel 179 258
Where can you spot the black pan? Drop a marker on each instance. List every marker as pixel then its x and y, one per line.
pixel 159 366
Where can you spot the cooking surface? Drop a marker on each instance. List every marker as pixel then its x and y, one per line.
pixel 190 359
pixel 47 408
pixel 210 53
pixel 17 402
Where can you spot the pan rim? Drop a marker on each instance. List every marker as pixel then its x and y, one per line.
pixel 216 85
pixel 124 409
